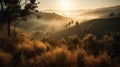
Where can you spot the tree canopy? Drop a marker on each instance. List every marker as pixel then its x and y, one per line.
pixel 12 9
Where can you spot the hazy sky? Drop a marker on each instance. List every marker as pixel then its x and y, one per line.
pixel 76 4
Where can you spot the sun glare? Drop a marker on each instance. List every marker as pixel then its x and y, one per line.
pixel 65 5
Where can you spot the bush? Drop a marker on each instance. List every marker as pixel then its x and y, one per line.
pixel 71 52
pixel 91 45
pixel 6 59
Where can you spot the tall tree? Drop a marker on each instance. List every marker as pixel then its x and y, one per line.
pixel 11 10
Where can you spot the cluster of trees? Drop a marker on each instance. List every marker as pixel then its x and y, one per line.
pixel 67 25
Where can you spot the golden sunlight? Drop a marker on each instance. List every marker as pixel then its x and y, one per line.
pixel 65 5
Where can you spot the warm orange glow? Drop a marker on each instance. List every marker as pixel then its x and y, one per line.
pixel 65 5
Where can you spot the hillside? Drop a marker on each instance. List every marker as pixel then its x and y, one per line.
pixel 50 16
pixel 97 27
pixel 40 21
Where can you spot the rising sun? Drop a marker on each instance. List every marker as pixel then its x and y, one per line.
pixel 65 4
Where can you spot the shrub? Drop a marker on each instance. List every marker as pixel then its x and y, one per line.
pixel 5 59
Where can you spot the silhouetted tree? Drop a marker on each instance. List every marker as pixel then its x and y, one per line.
pixel 69 23
pixel 65 25
pixel 76 23
pixel 111 14
pixel 12 11
pixel 72 21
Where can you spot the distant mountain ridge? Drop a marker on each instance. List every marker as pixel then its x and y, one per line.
pixel 49 16
pixel 103 11
pixel 83 12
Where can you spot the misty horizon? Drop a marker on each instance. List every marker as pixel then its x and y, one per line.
pixel 78 9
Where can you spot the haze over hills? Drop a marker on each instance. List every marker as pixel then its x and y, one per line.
pixel 41 21
pixel 51 16
pixel 98 27
pixel 103 11
pixel 86 13
pixel 67 12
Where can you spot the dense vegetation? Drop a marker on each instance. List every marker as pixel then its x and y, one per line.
pixel 22 51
